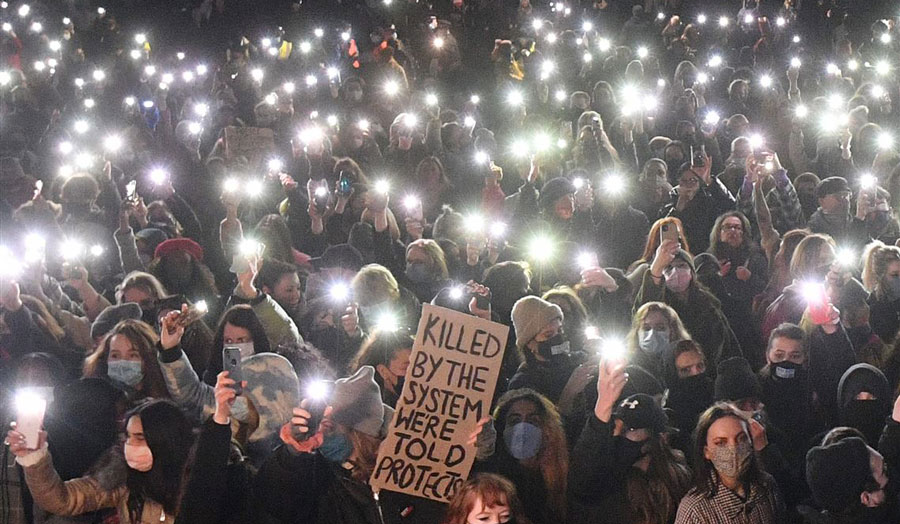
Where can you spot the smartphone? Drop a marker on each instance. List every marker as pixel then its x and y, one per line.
pixel 30 410
pixel 481 301
pixel 231 362
pixel 698 156
pixel 345 185
pixel 71 271
pixel 318 395
pixel 131 191
pixel 668 232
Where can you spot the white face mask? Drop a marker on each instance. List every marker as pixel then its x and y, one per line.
pixel 246 349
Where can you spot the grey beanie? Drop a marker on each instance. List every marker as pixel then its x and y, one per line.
pixel 112 315
pixel 530 315
pixel 356 403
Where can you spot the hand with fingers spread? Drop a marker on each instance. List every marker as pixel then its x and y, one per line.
pixel 482 291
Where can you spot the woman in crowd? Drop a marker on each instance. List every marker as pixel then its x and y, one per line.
pixel 127 357
pixel 157 445
pixel 881 276
pixel 672 280
pixel 727 475
pixel 388 352
pixel 655 329
pixel 486 499
pixel 382 299
pixel 623 469
pixel 532 452
pixel 639 267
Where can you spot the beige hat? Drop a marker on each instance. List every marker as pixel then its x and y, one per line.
pixel 530 315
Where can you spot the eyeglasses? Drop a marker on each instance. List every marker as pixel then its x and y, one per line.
pixel 732 227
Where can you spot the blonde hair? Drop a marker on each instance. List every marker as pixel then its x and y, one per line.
pixel 374 283
pixel 434 252
pixel 677 331
pixel 877 257
pixel 141 280
pixel 805 259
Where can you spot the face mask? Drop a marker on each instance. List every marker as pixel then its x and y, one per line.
pixel 654 341
pixel 418 272
pixel 128 372
pixel 336 447
pixel 139 458
pixel 867 416
pixel 628 451
pixel 356 96
pixel 786 370
pixel 523 440
pixel 240 410
pixel 557 345
pixel 678 279
pixel 731 461
pixel 246 349
pixel 892 288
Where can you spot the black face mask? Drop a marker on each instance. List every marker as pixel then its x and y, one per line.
pixel 789 372
pixel 556 345
pixel 867 416
pixel 326 339
pixel 628 452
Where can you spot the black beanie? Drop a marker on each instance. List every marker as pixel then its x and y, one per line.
pixel 554 189
pixel 735 380
pixel 837 473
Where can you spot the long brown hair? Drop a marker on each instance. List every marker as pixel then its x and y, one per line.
pixel 705 476
pixel 493 490
pixel 653 239
pixel 653 496
pixel 553 457
pixel 877 258
pixel 366 447
pixel 144 340
pixel 716 246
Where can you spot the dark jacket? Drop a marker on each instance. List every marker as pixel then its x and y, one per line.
pixel 701 212
pixel 305 488
pixel 547 378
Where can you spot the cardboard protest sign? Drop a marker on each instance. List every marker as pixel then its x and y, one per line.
pixel 252 143
pixel 452 374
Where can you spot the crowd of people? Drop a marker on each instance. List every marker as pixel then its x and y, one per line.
pixel 219 221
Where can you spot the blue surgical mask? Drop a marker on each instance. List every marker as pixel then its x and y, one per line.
pixel 653 341
pixel 128 372
pixel 523 440
pixel 336 447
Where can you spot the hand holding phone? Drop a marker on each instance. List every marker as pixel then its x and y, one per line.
pixel 231 362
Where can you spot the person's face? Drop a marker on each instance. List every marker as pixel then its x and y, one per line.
pixel 826 255
pixel 741 92
pixel 893 270
pixel 323 319
pixel 690 364
pixel 741 149
pixel 874 499
pixel 236 335
pixel 732 232
pixel 656 171
pixel 430 173
pixel 120 348
pixel 786 350
pixel 522 411
pixel 134 432
pixel 549 331
pixel 479 514
pixel 139 296
pixel 565 207
pixel 656 321
pixel 417 254
pixel 400 363
pixel 674 156
pixel 287 291
pixel 727 431
pixel 835 202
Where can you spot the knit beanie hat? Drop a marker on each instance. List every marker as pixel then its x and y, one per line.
pixel 554 189
pixel 112 315
pixel 530 315
pixel 735 380
pixel 356 403
pixel 274 389
pixel 838 473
